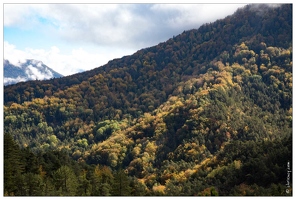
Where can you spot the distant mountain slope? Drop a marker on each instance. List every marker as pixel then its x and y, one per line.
pixel 190 51
pixel 29 70
pixel 194 115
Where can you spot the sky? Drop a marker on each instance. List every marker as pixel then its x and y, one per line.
pixel 70 38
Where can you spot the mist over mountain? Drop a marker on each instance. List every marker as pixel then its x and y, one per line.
pixel 207 112
pixel 28 70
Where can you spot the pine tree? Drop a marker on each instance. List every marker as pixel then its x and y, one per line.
pixel 121 184
pixel 33 184
pixel 102 181
pixel 66 181
pixel 13 167
pixel 84 184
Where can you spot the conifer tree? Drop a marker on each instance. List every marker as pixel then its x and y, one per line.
pixel 121 184
pixel 65 181
pixel 13 167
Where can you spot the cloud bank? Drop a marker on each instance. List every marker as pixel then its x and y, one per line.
pixel 66 64
pixel 115 24
pixel 110 29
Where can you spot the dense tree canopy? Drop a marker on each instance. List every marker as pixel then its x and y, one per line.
pixel 208 112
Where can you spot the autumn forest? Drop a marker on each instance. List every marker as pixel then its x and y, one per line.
pixel 206 113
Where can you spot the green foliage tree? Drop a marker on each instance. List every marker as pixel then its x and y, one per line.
pixel 84 186
pixel 121 184
pixel 102 181
pixel 33 185
pixel 65 181
pixel 13 166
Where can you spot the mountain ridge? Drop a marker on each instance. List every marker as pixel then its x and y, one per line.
pixel 200 39
pixel 29 70
pixel 194 115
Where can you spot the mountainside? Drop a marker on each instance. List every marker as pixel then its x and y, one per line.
pixel 29 70
pixel 208 112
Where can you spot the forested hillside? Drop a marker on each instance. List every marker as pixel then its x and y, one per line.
pixel 208 112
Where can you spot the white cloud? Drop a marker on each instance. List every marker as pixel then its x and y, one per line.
pixel 65 64
pixel 33 73
pixel 24 16
pixel 115 24
pixel 13 80
pixel 14 55
pixel 193 15
pixel 39 64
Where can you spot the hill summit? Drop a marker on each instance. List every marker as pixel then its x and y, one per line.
pixel 28 70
